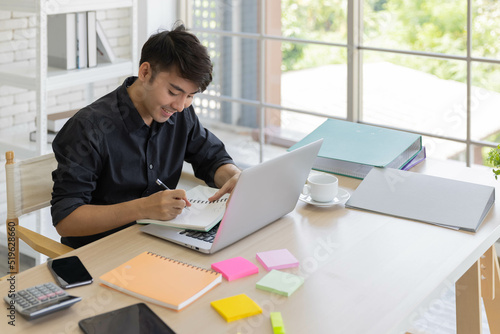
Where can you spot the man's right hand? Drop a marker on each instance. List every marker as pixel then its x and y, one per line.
pixel 167 204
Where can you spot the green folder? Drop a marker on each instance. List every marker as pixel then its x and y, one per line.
pixel 353 149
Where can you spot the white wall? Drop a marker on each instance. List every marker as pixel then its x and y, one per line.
pixel 155 15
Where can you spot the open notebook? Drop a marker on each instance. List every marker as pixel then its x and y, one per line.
pixel 202 215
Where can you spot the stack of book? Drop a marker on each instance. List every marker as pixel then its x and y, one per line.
pixel 77 40
pixel 353 149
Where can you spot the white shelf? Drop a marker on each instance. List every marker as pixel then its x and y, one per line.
pixel 24 76
pixel 42 78
pixel 58 7
pixel 20 143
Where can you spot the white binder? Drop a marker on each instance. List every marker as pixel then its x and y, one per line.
pixel 430 199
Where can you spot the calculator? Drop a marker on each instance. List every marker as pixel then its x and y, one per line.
pixel 40 300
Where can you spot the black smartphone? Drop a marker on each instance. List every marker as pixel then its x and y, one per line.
pixel 69 272
pixel 133 319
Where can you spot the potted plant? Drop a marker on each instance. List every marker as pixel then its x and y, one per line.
pixel 494 160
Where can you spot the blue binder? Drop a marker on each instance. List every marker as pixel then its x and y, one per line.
pixel 353 149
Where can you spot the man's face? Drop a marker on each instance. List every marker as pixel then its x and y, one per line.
pixel 165 95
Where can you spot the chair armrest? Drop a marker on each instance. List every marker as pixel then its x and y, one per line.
pixel 41 243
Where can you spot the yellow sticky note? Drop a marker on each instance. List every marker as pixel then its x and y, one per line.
pixel 236 307
pixel 277 323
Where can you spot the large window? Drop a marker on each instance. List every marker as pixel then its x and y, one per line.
pixel 282 67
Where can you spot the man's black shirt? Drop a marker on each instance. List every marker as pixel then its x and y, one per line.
pixel 106 155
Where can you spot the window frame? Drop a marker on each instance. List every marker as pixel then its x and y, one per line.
pixel 355 48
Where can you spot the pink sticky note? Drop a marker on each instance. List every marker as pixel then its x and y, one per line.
pixel 277 259
pixel 234 268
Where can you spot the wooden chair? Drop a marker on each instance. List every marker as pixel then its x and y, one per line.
pixel 29 188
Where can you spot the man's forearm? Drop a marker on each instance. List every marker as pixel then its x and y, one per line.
pixel 92 219
pixel 224 173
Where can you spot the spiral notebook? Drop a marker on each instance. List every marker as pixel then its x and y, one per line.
pixel 161 280
pixel 202 214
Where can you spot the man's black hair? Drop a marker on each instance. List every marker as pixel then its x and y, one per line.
pixel 178 50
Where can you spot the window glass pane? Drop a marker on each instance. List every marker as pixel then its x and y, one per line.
pixel 228 15
pixel 242 143
pixel 283 128
pixel 441 149
pixel 415 93
pixel 485 102
pixel 319 20
pixel 438 26
pixel 295 126
pixel 485 28
pixel 235 75
pixel 313 78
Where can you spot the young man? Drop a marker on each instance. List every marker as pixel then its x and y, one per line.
pixel 112 151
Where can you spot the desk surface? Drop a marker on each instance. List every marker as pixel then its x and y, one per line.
pixel 364 272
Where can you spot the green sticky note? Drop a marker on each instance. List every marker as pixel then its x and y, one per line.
pixel 280 282
pixel 277 323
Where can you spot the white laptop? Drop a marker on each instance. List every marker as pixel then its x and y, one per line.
pixel 263 194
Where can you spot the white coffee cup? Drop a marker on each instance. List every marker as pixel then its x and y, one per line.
pixel 321 187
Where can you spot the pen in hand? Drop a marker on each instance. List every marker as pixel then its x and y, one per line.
pixel 158 182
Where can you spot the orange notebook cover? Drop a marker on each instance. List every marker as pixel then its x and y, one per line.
pixel 161 280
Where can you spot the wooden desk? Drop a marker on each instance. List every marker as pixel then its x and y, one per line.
pixel 364 272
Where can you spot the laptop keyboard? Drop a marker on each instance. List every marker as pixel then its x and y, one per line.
pixel 200 235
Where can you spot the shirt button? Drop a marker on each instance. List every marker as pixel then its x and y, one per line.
pixel 150 166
